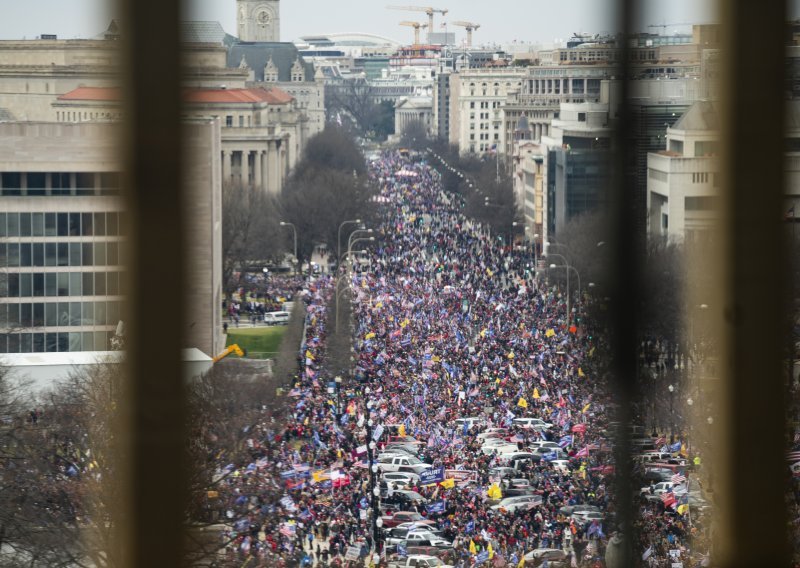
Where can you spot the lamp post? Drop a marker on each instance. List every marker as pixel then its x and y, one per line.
pixel 569 267
pixel 671 389
pixel 354 241
pixel 338 380
pixel 294 232
pixel 339 236
pixel 355 233
pixel 535 245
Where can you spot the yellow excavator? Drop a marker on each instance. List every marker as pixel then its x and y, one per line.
pixel 230 349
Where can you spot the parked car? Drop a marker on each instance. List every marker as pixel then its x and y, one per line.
pixel 418 561
pixel 512 504
pixel 401 517
pixel 533 423
pixel 276 318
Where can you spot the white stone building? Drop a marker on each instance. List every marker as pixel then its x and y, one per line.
pixel 482 93
pixel 683 180
pixel 410 110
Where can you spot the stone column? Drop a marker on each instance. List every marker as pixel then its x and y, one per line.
pixel 275 166
pixel 226 166
pixel 280 158
pixel 264 159
pixel 257 169
pixel 245 167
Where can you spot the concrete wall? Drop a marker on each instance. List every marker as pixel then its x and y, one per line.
pixel 203 247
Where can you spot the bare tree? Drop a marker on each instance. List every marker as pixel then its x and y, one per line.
pixel 251 234
pixel 59 488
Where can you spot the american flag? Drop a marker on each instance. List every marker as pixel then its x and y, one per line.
pixel 660 442
pixel 678 478
pixel 793 457
pixel 668 499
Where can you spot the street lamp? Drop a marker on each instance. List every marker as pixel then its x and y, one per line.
pixel 569 267
pixel 356 232
pixel 339 235
pixel 294 232
pixel 671 389
pixel 354 241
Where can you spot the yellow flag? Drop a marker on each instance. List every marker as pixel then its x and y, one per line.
pixel 401 430
pixel 483 333
pixel 522 403
pixel 683 451
pixel 309 354
pixel 591 352
pixel 490 550
pixel 489 272
pixel 494 492
pixel 682 509
pixel 510 354
pixel 580 372
pixel 370 335
pixel 521 562
pixel 585 408
pixel 535 393
pixel 500 392
pixel 472 548
pixel 436 358
pixel 448 483
pixel 549 333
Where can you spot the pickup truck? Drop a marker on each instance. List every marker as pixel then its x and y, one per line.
pixel 419 561
pixel 394 463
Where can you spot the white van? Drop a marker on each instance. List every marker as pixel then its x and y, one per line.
pixel 276 318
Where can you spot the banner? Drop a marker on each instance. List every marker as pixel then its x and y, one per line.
pixel 431 476
pixel 437 507
pixel 376 434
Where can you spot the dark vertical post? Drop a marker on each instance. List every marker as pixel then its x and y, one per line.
pixel 154 413
pixel 626 281
pixel 753 523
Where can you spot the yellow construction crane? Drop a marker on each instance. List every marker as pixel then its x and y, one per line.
pixel 427 9
pixel 665 26
pixel 230 349
pixel 469 27
pixel 416 26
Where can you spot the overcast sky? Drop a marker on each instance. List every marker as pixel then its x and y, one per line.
pixel 501 21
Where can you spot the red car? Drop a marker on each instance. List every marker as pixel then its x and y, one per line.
pixel 399 517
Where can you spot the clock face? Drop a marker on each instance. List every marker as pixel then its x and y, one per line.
pixel 263 17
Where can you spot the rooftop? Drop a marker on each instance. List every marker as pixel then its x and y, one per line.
pixel 255 95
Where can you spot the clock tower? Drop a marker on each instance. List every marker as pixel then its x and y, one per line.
pixel 258 20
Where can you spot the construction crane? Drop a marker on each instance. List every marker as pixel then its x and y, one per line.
pixel 427 9
pixel 469 27
pixel 230 349
pixel 416 26
pixel 665 26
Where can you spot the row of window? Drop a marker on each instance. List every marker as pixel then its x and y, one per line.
pixel 18 317
pixel 61 224
pixel 485 136
pixel 60 254
pixel 55 342
pixel 51 284
pixel 59 183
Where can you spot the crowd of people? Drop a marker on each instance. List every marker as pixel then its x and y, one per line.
pixel 448 324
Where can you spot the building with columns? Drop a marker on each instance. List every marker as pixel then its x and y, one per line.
pixel 261 128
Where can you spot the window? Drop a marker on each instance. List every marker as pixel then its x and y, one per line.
pixel 581 117
pixel 229 121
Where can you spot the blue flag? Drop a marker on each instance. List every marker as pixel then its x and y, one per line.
pixel 437 507
pixel 676 447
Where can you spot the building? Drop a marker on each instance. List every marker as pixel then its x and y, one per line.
pixel 530 180
pixel 683 179
pixel 258 20
pixel 481 95
pixel 62 233
pixel 413 110
pixel 262 131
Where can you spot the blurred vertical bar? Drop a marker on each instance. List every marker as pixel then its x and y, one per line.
pixel 152 531
pixel 625 275
pixel 751 517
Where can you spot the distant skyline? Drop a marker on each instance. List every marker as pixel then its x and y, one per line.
pixel 501 22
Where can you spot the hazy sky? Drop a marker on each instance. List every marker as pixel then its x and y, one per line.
pixel 501 21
